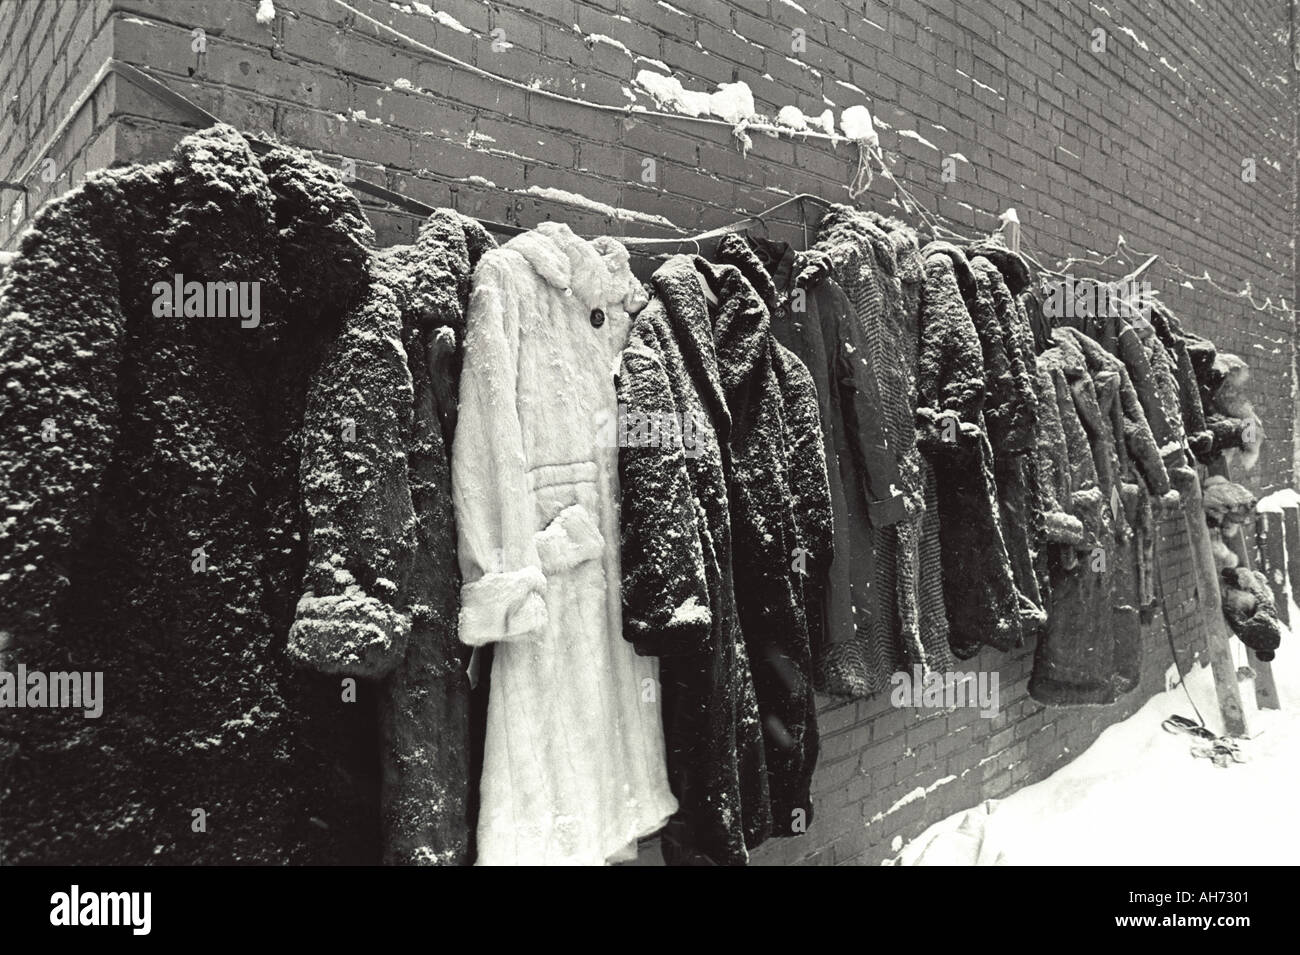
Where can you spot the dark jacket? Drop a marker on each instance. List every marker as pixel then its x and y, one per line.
pixel 1073 661
pixel 984 606
pixel 677 552
pixel 159 538
pixel 876 263
pixel 781 522
pixel 1089 655
pixel 382 584
pixel 1011 412
pixel 1171 335
pixel 813 317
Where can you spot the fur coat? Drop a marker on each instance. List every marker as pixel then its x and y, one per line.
pixel 1171 335
pixel 679 599
pixel 984 606
pixel 157 535
pixel 781 525
pixel 1091 649
pixel 1183 475
pixel 1011 413
pixel 574 762
pixel 812 315
pixel 710 543
pixel 382 585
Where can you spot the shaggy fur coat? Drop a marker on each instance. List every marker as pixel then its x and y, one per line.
pixel 382 585
pixel 158 534
pixel 710 542
pixel 1091 649
pixel 574 760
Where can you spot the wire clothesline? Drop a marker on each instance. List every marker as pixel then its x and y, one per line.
pixel 915 206
pixel 861 179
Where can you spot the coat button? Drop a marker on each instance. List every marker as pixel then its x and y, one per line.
pixel 597 318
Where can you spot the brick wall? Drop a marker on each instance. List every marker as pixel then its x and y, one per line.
pixel 1145 138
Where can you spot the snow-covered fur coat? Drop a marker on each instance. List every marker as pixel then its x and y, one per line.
pixel 382 585
pixel 1142 476
pixel 902 623
pixel 1091 649
pixel 1019 278
pixel 157 535
pixel 1184 477
pixel 780 519
pixel 1011 413
pixel 1170 332
pixel 854 651
pixel 984 605
pixel 679 598
pixel 574 762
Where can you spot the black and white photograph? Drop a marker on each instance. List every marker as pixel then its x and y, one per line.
pixel 635 433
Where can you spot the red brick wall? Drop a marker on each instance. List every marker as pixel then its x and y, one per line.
pixel 1145 139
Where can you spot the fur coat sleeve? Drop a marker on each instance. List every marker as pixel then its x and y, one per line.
pixel 359 429
pixel 61 331
pixel 950 372
pixel 360 519
pixel 665 591
pixel 1139 443
pixel 503 594
pixel 805 461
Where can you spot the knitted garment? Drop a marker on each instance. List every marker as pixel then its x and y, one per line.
pixel 876 262
pixel 157 537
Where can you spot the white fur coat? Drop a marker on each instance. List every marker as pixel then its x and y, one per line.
pixel 574 769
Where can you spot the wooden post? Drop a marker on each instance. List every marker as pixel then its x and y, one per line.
pixel 1218 646
pixel 1291 528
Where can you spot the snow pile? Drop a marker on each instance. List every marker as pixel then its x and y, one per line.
pixel 791 116
pixel 265 12
pixel 856 124
pixel 1137 796
pixel 731 102
pixel 1273 503
pixel 826 121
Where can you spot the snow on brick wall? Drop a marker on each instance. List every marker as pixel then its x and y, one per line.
pixel 1145 138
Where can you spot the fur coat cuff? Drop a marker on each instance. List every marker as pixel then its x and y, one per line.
pixel 571 538
pixel 351 633
pixel 503 606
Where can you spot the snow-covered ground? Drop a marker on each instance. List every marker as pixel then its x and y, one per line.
pixel 1138 796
